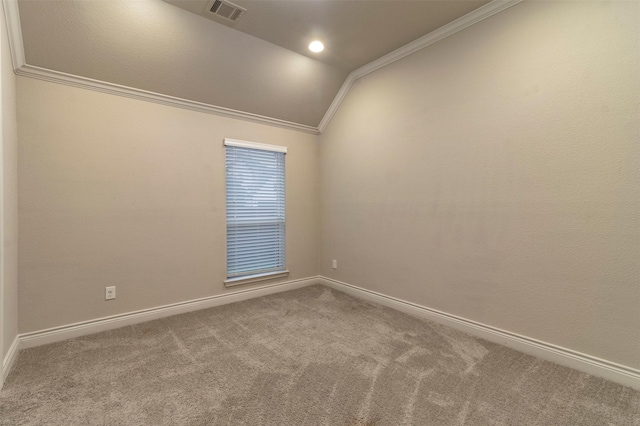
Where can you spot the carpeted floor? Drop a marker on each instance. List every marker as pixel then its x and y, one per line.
pixel 312 356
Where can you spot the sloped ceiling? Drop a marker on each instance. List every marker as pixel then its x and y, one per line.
pixel 259 67
pixel 354 32
pixel 154 46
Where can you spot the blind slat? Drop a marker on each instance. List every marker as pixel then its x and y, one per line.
pixel 255 211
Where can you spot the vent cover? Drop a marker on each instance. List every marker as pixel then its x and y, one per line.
pixel 225 9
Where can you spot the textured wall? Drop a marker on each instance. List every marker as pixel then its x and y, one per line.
pixel 114 191
pixel 9 203
pixel 495 175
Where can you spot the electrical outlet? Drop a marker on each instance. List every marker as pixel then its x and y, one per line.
pixel 334 264
pixel 110 293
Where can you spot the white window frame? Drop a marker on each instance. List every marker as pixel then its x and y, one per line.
pixel 245 279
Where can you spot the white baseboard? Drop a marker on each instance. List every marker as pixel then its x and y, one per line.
pixel 56 334
pixel 10 358
pixel 598 367
pixel 614 372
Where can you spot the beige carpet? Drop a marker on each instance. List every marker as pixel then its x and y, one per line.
pixel 306 357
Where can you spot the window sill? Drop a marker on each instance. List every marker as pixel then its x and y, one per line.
pixel 232 282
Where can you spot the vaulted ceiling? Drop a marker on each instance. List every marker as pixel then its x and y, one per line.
pixel 355 32
pixel 259 66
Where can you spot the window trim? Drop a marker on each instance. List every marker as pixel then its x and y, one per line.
pixel 247 279
pixel 254 145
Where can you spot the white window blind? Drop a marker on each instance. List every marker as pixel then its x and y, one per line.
pixel 255 209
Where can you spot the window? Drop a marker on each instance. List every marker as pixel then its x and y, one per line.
pixel 255 211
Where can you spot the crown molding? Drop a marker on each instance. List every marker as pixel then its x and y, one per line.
pixel 451 28
pixel 14 32
pixel 22 68
pixel 158 98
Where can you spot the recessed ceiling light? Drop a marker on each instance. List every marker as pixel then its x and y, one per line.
pixel 316 46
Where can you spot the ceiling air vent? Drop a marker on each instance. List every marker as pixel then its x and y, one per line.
pixel 226 9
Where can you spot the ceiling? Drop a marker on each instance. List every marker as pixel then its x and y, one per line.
pixel 355 32
pixel 259 65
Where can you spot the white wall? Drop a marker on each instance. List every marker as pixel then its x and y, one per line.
pixel 494 175
pixel 116 191
pixel 9 213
